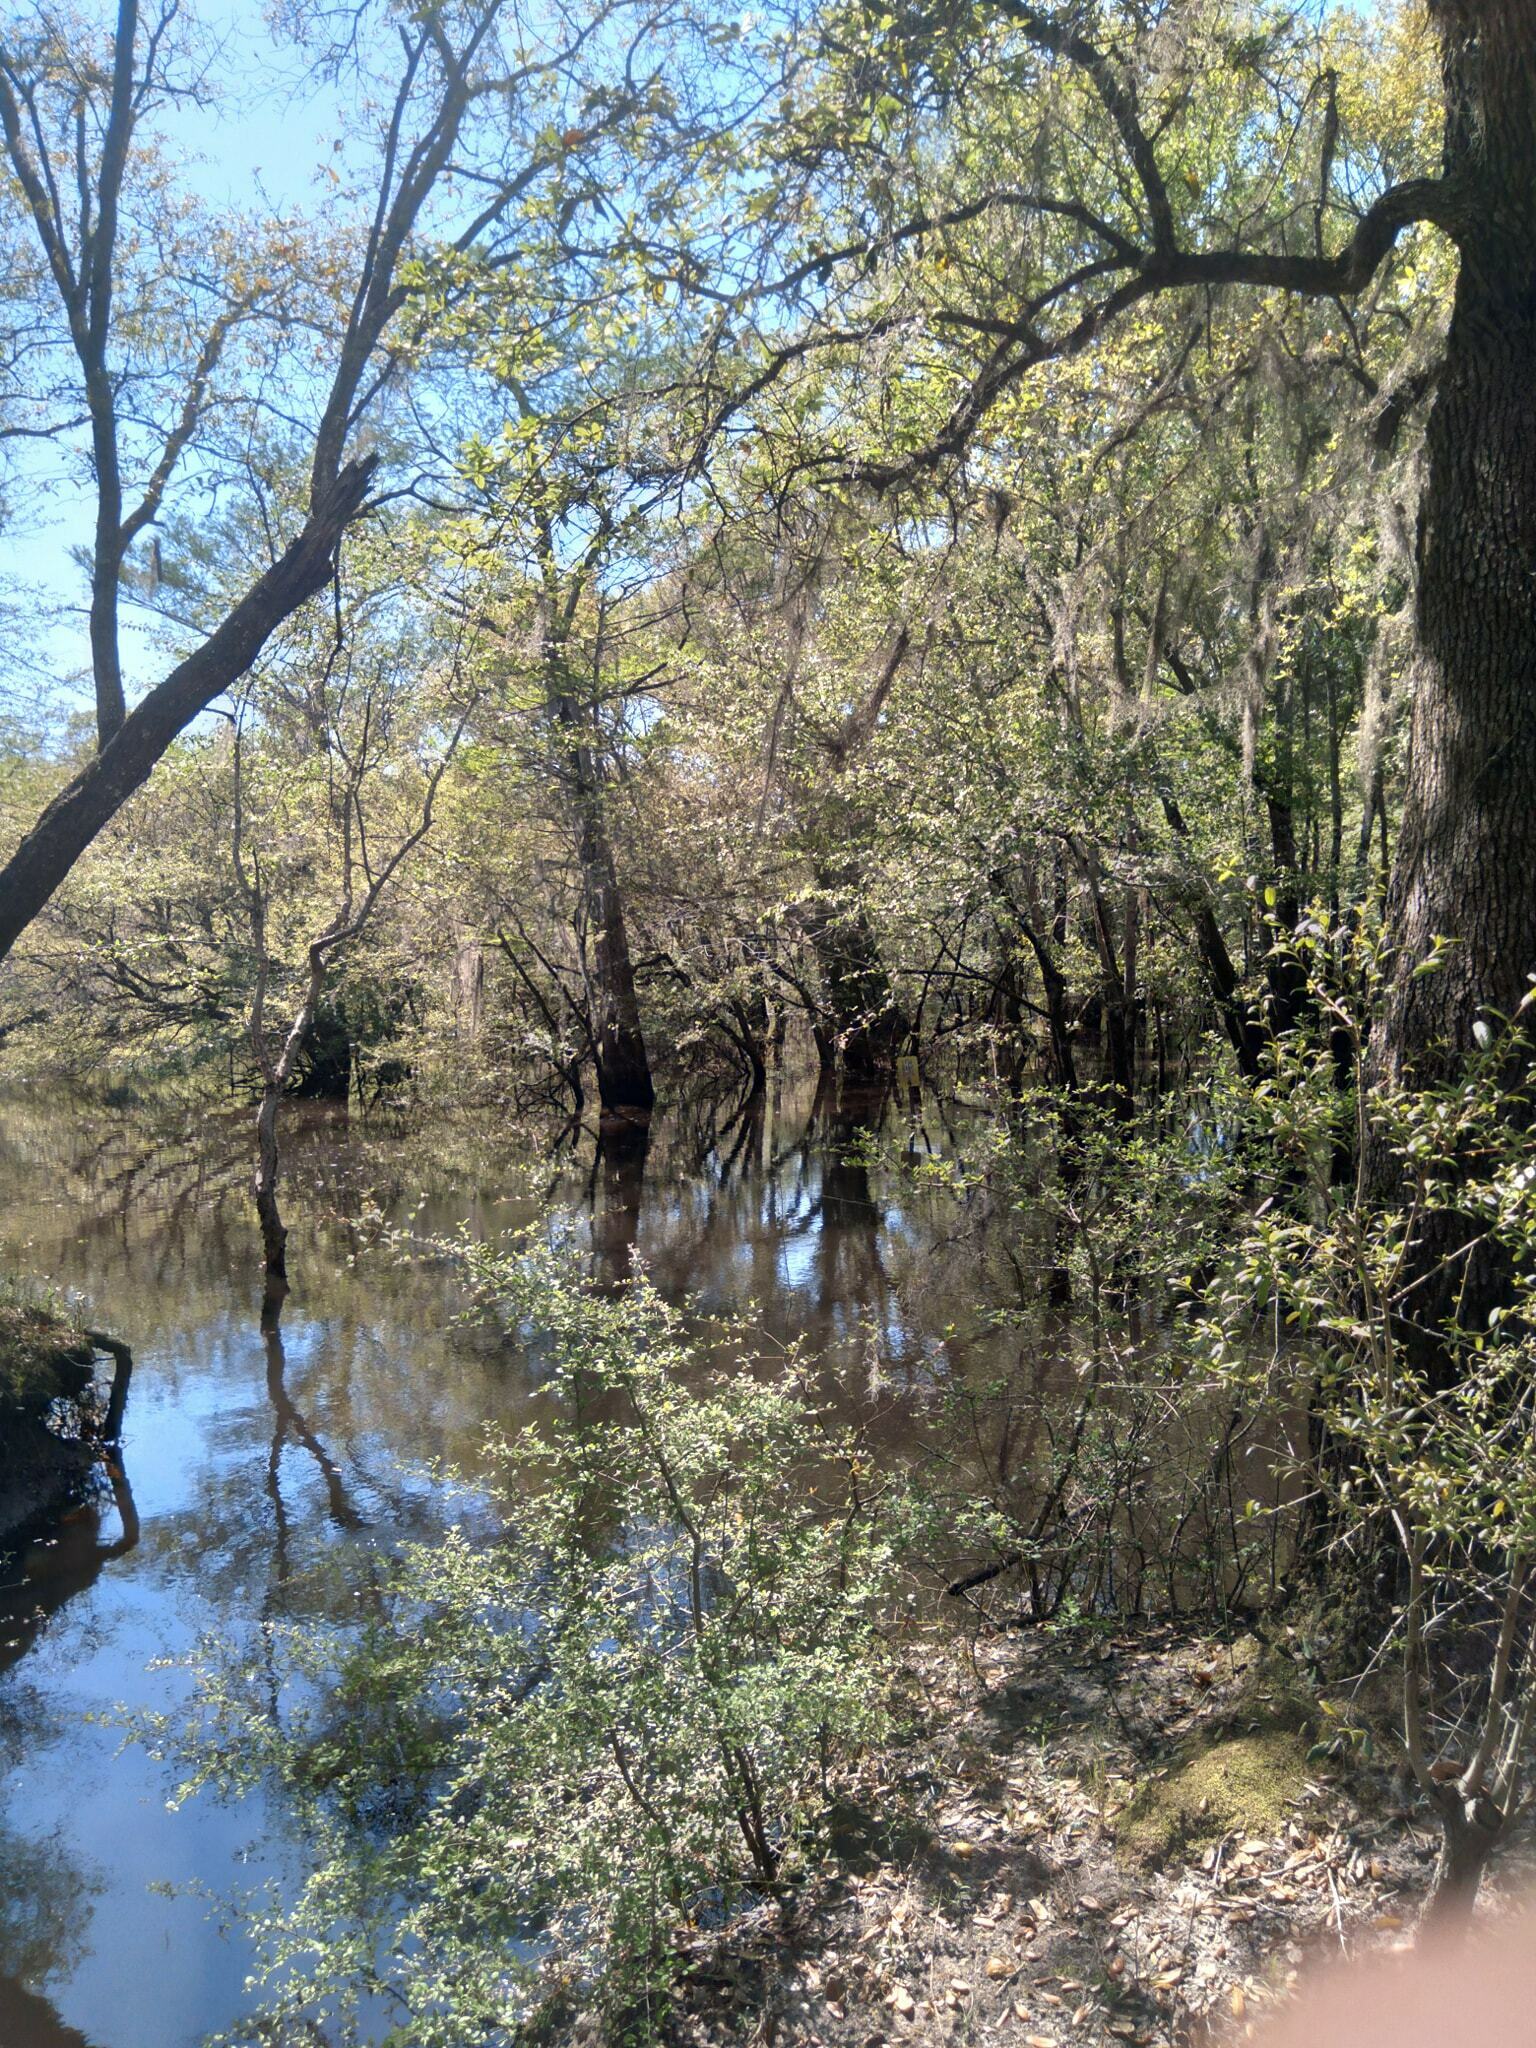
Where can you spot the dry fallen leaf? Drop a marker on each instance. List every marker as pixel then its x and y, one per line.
pixel 1237 1999
pixel 999 1966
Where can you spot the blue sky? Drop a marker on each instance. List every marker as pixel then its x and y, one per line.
pixel 269 133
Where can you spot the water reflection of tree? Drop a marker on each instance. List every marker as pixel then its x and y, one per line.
pixel 43 1896
pixel 290 1423
pixel 616 1191
pixel 69 1562
pixel 44 1914
pixel 28 2020
pixel 849 1267
pixel 45 1911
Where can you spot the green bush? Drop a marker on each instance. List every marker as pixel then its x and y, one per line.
pixel 543 1756
pixel 1396 1305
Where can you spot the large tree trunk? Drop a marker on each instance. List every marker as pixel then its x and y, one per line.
pixel 1466 858
pixel 1465 867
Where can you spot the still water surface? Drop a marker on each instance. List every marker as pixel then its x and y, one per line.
pixel 250 1454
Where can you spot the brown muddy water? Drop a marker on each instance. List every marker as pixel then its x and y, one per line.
pixel 251 1456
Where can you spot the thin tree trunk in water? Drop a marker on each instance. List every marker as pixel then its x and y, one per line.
pixel 1466 856
pixel 1115 994
pixel 748 1032
pixel 1283 972
pixel 1064 1075
pixel 274 1233
pixel 868 1026
pixel 1244 1031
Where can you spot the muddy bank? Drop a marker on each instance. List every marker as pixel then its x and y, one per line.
pixel 51 1419
pixel 1129 1839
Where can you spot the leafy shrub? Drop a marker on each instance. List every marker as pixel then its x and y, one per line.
pixel 1398 1301
pixel 542 1756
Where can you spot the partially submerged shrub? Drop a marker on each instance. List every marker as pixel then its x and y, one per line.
pixel 544 1755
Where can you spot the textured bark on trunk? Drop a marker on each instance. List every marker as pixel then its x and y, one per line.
pixel 1465 1846
pixel 1465 867
pixel 1466 857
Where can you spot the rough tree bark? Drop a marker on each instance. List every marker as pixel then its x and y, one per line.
pixel 1465 865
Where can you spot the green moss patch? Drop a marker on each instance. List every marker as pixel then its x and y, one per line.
pixel 1242 1784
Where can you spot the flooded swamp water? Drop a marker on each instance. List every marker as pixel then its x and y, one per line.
pixel 251 1454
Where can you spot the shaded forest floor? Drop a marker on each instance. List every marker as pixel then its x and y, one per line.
pixel 1128 1841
